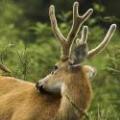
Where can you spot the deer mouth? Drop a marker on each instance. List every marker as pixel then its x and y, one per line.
pixel 42 90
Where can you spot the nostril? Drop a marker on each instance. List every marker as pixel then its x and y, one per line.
pixel 39 86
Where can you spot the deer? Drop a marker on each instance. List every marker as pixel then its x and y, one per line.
pixel 65 93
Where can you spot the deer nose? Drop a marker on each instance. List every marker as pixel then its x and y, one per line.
pixel 39 86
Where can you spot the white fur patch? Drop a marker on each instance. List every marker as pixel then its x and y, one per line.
pixel 91 72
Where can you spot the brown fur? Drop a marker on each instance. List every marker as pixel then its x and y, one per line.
pixel 79 90
pixel 20 100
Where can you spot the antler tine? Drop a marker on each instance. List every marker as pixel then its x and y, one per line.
pixel 104 43
pixel 84 36
pixel 54 25
pixel 77 22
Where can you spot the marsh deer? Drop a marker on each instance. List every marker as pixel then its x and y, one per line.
pixel 64 94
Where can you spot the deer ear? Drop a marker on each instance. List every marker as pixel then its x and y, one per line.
pixel 79 53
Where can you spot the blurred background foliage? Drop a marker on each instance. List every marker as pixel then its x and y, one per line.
pixel 29 48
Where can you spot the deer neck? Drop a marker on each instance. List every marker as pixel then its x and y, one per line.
pixel 66 111
pixel 72 97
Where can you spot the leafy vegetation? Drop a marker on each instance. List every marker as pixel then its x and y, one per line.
pixel 29 49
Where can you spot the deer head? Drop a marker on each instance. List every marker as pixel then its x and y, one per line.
pixel 69 70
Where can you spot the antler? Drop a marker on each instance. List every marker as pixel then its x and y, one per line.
pixel 79 52
pixel 54 25
pixel 104 43
pixel 77 22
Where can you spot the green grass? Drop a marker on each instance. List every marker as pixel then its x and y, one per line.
pixel 106 88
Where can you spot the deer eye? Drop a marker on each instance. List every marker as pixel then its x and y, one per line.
pixel 54 69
